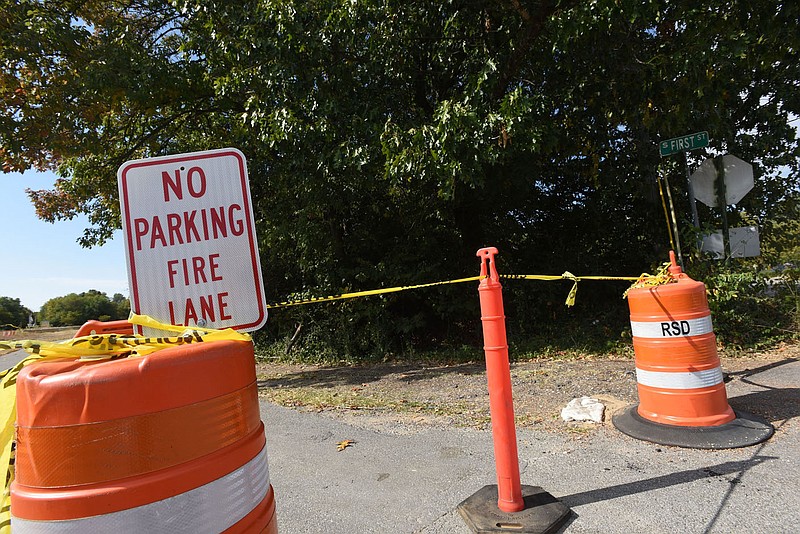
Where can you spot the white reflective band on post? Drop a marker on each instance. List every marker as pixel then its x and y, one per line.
pixel 688 380
pixel 668 329
pixel 211 508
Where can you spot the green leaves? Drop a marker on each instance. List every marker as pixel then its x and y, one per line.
pixel 76 309
pixel 388 140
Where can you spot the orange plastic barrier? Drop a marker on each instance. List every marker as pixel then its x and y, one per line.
pixel 90 328
pixel 498 376
pixel 169 442
pixel 508 505
pixel 682 397
pixel 677 367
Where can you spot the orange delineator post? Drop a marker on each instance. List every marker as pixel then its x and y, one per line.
pixel 498 374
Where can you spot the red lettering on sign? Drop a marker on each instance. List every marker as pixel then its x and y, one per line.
pixel 218 222
pixel 199 192
pixel 168 183
pixel 214 264
pixel 197 187
pixel 174 228
pixel 222 303
pixel 172 272
pixel 237 225
pixel 191 229
pixel 199 269
pixel 194 271
pixel 208 307
pixel 182 227
pixel 141 229
pixel 157 234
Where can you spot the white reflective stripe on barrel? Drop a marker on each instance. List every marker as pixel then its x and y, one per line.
pixel 669 329
pixel 211 508
pixel 688 380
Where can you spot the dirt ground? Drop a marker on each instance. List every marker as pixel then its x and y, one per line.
pixel 39 334
pixel 398 397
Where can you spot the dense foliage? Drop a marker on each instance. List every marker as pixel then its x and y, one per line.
pixel 77 308
pixel 388 140
pixel 12 313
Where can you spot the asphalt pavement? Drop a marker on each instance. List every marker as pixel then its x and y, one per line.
pixel 396 478
pixel 400 479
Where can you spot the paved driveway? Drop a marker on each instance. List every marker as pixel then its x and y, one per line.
pixel 400 479
pixel 410 479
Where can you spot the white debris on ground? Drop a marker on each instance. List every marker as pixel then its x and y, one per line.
pixel 583 409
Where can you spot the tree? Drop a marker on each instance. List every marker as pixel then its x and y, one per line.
pixel 122 306
pixel 388 140
pixel 13 313
pixel 76 309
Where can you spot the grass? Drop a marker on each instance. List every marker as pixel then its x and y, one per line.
pixel 396 400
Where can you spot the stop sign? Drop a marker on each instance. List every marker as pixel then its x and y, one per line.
pixel 738 180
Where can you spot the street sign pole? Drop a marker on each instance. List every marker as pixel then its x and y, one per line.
pixel 723 206
pixel 675 145
pixel 690 189
pixel 692 201
pixel 674 222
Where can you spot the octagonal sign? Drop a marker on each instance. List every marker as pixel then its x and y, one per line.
pixel 738 180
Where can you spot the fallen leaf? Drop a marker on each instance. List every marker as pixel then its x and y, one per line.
pixel 342 445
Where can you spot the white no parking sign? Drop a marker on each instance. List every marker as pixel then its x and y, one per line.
pixel 190 240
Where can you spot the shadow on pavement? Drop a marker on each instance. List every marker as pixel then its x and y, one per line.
pixel 774 404
pixel 746 373
pixel 673 479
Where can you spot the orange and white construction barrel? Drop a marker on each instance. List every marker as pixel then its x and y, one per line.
pixel 682 397
pixel 169 442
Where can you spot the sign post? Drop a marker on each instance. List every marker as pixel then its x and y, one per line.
pixel 190 240
pixel 684 144
pixel 720 187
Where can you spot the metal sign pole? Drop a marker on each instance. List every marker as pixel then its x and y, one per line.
pixel 674 221
pixel 723 206
pixel 690 189
pixel 683 144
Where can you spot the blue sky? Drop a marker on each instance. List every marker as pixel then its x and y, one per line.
pixel 44 260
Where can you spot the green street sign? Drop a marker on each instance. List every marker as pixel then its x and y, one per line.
pixel 683 143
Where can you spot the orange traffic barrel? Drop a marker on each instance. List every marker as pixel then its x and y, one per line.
pixel 169 442
pixel 682 397
pixel 92 327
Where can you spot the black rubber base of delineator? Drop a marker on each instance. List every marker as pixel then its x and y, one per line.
pixel 747 429
pixel 543 513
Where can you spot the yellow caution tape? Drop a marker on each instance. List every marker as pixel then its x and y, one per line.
pixel 108 346
pixel 567 276
pixel 662 277
pixel 85 348
pixel 367 293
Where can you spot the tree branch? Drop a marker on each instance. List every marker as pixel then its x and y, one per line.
pixel 532 26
